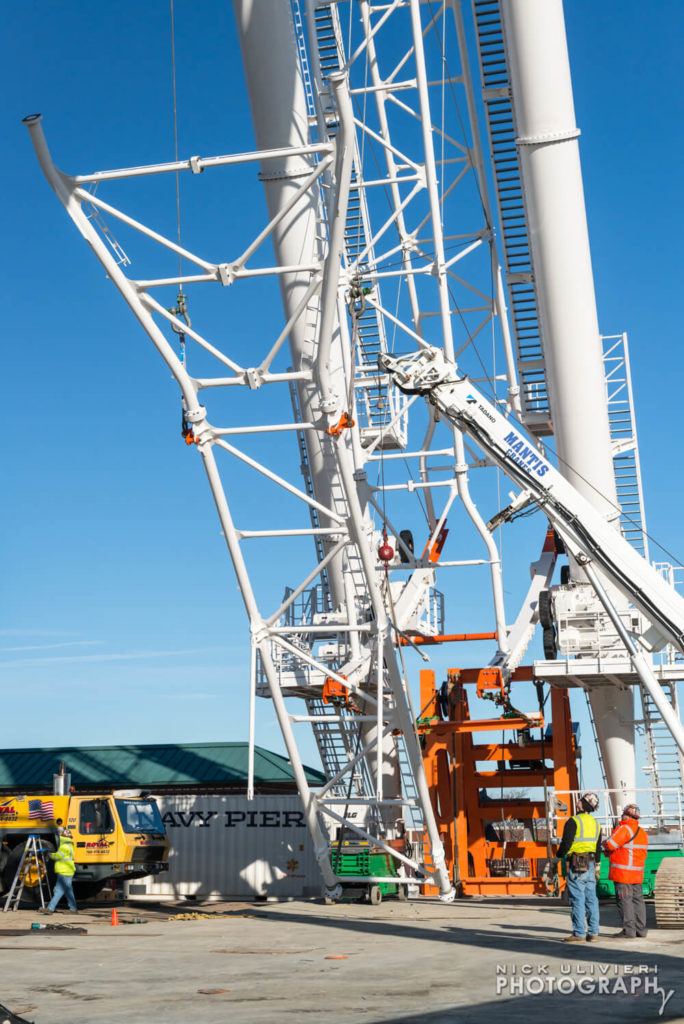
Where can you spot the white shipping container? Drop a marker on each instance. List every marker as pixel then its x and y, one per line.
pixel 226 847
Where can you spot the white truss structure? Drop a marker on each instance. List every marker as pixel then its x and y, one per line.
pixel 392 129
pixel 385 167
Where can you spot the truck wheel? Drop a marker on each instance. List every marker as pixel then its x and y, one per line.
pixel 31 893
pixel 374 895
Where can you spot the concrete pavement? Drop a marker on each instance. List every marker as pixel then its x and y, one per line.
pixel 418 963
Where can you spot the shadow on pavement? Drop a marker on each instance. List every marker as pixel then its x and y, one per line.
pixel 668 968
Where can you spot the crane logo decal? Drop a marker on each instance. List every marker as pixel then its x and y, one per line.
pixel 524 455
pixel 8 812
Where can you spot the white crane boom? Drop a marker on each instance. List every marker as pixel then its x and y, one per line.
pixel 588 536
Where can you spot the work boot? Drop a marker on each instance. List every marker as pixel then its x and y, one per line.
pixel 574 938
pixel 45 910
pixel 592 938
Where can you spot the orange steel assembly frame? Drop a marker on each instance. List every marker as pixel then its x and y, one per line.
pixel 476 824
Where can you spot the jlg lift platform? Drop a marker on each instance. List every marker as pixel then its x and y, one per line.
pixel 495 844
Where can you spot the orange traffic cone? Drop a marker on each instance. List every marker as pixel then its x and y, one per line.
pixel 115 917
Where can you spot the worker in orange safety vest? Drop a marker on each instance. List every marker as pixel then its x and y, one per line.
pixel 627 848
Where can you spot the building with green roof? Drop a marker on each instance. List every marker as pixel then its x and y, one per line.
pixel 159 768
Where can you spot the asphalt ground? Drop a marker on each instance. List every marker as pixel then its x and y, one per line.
pixel 421 962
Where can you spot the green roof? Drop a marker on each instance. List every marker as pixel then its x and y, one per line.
pixel 149 765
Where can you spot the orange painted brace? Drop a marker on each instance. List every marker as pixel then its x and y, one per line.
pixel 419 640
pixel 469 675
pixel 435 551
pixel 334 692
pixel 344 423
pixel 483 725
pixel 552 542
pixel 489 679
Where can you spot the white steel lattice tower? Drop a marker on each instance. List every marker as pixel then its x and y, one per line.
pixel 378 235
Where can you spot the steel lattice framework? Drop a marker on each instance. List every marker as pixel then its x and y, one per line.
pixel 379 234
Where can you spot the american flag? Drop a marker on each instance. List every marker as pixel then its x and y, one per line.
pixel 44 810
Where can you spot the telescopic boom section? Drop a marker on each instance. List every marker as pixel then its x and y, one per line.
pixel 587 535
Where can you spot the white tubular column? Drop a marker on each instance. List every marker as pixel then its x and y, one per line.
pixel 280 118
pixel 539 67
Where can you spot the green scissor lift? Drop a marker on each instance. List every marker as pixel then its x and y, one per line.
pixel 358 859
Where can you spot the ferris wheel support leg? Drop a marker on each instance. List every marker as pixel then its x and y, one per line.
pixel 196 415
pixel 260 640
pixel 386 655
pixel 639 660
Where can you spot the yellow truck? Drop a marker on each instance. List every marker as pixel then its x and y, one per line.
pixel 116 835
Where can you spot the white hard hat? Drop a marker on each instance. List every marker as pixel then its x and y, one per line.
pixel 590 800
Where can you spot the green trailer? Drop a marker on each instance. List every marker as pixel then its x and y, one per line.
pixel 361 860
pixel 654 858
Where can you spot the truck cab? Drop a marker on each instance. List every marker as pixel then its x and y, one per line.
pixel 116 835
pixel 121 835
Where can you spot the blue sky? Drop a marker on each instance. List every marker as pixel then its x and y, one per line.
pixel 121 618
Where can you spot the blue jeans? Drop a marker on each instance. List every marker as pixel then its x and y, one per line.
pixel 584 906
pixel 63 887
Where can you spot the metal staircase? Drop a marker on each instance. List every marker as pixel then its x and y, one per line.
pixel 338 739
pixel 517 255
pixel 664 760
pixel 623 435
pixel 666 766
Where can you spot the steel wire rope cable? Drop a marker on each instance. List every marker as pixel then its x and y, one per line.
pixel 356 306
pixel 447 76
pixel 388 266
pixel 450 81
pixel 175 131
pixel 180 309
pixel 551 887
pixel 387 585
pixel 385 190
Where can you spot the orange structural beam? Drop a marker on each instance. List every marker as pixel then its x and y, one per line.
pixel 420 640
pixel 483 724
pixel 470 675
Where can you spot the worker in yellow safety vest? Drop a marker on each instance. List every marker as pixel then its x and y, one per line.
pixel 65 869
pixel 581 845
